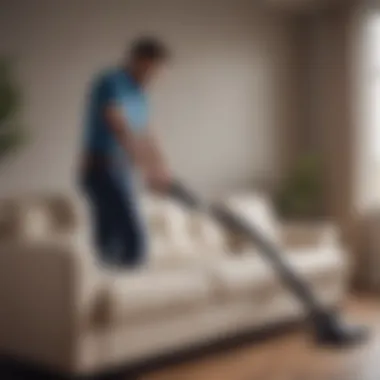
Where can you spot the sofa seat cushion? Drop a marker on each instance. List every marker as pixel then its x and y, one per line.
pixel 241 276
pixel 143 294
pixel 319 264
pixel 250 275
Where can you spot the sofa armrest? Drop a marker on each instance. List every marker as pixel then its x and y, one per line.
pixel 45 292
pixel 307 234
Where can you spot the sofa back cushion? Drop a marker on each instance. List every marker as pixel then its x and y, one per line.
pixel 256 209
pixel 37 216
pixel 208 233
pixel 178 234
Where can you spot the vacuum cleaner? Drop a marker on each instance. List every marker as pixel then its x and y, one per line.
pixel 327 327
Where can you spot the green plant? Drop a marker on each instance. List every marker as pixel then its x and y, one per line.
pixel 301 194
pixel 11 133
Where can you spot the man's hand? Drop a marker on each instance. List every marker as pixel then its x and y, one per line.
pixel 157 173
pixel 159 179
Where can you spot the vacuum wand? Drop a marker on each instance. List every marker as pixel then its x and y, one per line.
pixel 234 223
pixel 327 327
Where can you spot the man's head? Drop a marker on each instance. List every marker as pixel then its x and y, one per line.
pixel 145 57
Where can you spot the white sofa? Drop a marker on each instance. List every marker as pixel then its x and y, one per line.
pixel 61 310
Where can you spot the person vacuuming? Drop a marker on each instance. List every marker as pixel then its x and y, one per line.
pixel 120 148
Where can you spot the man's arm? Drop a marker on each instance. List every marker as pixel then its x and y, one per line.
pixel 118 126
pixel 159 176
pixel 154 153
pixel 143 150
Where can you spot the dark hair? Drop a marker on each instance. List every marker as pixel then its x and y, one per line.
pixel 149 48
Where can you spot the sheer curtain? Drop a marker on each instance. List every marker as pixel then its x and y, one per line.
pixel 367 103
pixel 367 110
pixel 373 57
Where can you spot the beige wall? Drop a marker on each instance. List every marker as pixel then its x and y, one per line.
pixel 222 110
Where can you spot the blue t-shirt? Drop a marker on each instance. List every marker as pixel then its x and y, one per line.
pixel 119 88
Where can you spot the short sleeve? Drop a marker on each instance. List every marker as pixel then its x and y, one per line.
pixel 147 110
pixel 108 90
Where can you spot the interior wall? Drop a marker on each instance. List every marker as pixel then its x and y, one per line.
pixel 222 109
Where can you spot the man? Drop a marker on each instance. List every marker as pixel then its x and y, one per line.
pixel 119 147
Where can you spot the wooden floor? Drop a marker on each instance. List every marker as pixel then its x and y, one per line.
pixel 290 357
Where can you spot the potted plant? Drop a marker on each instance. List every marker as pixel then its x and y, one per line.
pixel 301 195
pixel 11 133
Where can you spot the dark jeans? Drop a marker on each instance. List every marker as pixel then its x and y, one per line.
pixel 120 234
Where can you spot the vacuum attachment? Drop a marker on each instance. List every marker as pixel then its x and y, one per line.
pixel 327 328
